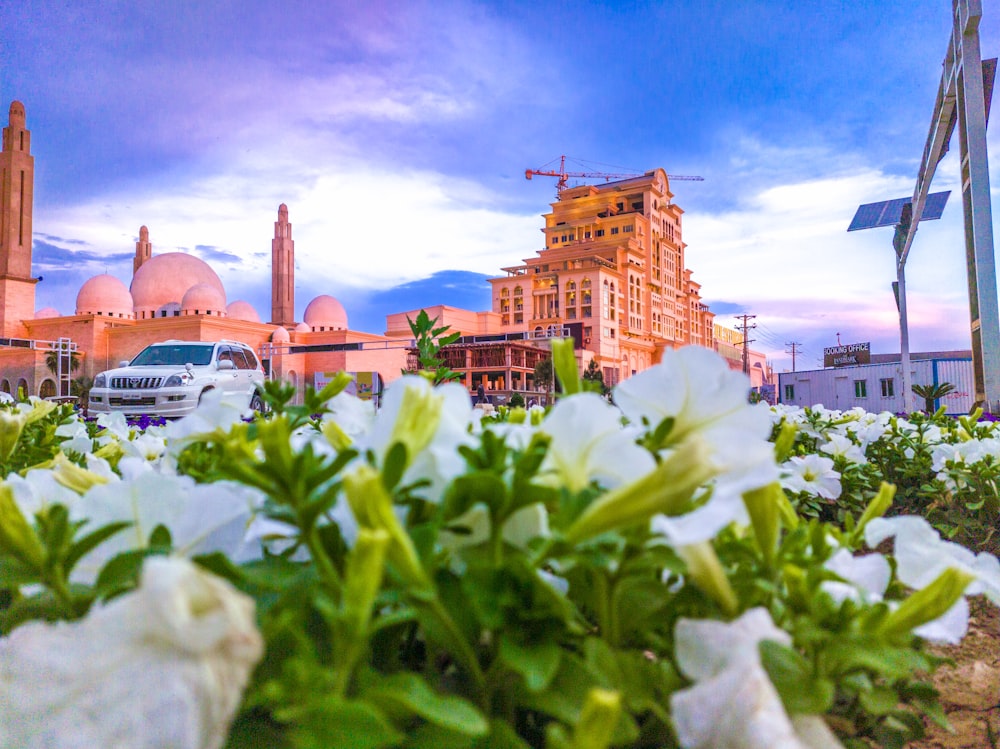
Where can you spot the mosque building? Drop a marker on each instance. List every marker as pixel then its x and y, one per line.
pixel 611 275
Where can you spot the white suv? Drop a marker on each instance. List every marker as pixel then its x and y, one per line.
pixel 169 379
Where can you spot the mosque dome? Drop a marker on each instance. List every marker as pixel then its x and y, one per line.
pixel 203 299
pixel 104 295
pixel 165 278
pixel 241 310
pixel 303 328
pixel 46 312
pixel 325 313
pixel 280 335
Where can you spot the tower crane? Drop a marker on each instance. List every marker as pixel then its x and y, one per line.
pixel 564 176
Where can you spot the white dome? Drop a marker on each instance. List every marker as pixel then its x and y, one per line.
pixel 165 278
pixel 104 295
pixel 325 313
pixel 203 299
pixel 280 335
pixel 241 310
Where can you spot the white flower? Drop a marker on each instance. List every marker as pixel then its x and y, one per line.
pixel 922 555
pixel 723 507
pixel 696 388
pixel 201 518
pixel 732 704
pixel 812 474
pixel 432 422
pixel 589 444
pixel 163 667
pixel 213 412
pixel 840 446
pixel 866 576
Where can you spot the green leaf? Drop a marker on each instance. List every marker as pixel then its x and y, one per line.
pixel 410 694
pixel 160 537
pixel 121 573
pixel 394 465
pixel 14 573
pixel 536 662
pixel 879 701
pixel 800 690
pixel 345 725
pixel 89 542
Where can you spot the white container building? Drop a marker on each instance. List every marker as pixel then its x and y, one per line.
pixel 877 386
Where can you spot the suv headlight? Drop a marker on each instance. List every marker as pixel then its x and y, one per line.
pixel 177 380
pixel 101 380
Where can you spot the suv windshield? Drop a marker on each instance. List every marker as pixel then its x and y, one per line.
pixel 174 354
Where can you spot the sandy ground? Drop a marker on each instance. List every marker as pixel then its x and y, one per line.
pixel 970 690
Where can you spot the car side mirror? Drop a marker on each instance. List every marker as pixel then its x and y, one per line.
pixel 226 364
pixel 123 363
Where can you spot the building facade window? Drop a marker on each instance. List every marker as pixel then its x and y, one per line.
pixel 789 393
pixel 888 388
pixel 860 389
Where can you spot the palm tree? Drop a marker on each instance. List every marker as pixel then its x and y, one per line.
pixel 52 360
pixel 931 393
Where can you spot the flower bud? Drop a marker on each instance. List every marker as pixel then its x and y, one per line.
pixel 372 507
pixel 72 476
pixel 11 425
pixel 764 507
pixel 666 489
pixel 564 364
pixel 364 577
pixel 17 538
pixel 929 603
pixel 705 571
pixel 601 710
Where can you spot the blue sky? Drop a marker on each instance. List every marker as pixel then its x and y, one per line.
pixel 398 135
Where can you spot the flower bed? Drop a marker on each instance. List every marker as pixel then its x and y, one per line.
pixel 680 568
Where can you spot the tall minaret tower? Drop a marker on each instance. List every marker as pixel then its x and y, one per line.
pixel 143 249
pixel 17 179
pixel 282 271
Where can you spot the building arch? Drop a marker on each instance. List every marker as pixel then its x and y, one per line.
pixel 5 386
pixel 22 390
pixel 47 389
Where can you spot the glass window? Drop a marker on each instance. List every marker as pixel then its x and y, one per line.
pixel 789 393
pixel 888 389
pixel 860 389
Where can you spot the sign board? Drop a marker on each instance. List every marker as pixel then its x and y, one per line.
pixel 848 355
pixel 366 386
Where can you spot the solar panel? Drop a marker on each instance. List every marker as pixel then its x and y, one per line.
pixel 887 212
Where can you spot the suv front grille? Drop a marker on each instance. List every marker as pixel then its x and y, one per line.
pixel 135 383
pixel 117 400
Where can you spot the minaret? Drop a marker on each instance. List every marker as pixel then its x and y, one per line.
pixel 282 271
pixel 17 179
pixel 143 249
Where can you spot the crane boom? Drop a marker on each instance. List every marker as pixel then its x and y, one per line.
pixel 563 175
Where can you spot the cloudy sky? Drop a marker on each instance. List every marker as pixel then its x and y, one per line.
pixel 398 134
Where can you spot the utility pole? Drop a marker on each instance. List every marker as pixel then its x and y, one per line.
pixel 794 350
pixel 745 328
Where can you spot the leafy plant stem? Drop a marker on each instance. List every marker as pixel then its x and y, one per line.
pixel 459 647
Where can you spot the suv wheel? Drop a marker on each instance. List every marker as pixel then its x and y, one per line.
pixel 256 404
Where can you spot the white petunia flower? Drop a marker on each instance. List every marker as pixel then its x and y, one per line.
pixel 696 388
pixel 162 667
pixel 841 446
pixel 201 518
pixel 732 703
pixel 812 474
pixel 922 555
pixel 432 422
pixel 589 444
